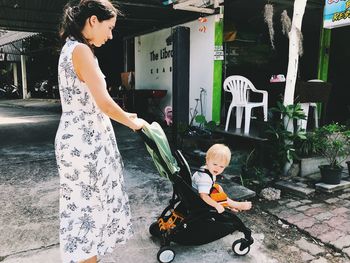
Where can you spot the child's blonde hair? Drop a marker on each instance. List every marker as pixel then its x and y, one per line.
pixel 219 152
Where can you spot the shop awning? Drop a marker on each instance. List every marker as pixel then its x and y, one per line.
pixel 11 44
pixel 44 16
pixel 9 37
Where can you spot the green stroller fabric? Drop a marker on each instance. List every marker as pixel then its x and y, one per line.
pixel 155 132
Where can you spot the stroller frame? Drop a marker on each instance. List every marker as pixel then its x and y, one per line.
pixel 187 215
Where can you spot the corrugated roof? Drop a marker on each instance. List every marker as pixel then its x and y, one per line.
pixel 139 17
pixel 44 15
pixel 8 37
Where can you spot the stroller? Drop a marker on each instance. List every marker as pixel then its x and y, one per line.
pixel 187 220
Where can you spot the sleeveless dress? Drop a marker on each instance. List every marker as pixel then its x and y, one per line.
pixel 94 207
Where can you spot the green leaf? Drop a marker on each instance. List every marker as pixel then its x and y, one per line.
pixel 210 125
pixel 200 119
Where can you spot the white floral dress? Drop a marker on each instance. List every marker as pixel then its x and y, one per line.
pixel 94 207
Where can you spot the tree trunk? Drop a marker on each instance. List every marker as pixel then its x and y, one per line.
pixel 293 63
pixel 298 13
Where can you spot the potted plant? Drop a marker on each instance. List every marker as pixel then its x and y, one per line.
pixel 308 158
pixel 281 147
pixel 333 143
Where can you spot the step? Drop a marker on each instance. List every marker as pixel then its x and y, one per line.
pixel 235 191
pixel 298 189
pixel 330 188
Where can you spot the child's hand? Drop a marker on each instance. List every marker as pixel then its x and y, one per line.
pixel 219 208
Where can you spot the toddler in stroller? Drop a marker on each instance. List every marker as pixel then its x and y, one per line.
pixel 187 220
pixel 217 159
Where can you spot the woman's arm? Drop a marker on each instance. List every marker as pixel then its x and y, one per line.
pixel 88 71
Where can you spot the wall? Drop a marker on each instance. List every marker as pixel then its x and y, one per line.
pixel 152 54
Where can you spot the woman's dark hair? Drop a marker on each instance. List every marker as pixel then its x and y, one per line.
pixel 75 14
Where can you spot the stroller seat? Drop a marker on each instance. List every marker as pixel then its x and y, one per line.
pixel 187 220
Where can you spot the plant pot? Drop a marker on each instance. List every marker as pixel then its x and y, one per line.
pixel 348 163
pixel 330 175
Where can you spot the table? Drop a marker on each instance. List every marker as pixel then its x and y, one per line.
pixel 305 92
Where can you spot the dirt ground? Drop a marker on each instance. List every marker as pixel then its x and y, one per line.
pixel 281 240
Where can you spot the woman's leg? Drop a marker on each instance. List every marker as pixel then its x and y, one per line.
pixel 90 260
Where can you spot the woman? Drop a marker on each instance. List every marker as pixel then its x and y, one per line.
pixel 94 208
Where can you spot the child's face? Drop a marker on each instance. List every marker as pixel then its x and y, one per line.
pixel 216 167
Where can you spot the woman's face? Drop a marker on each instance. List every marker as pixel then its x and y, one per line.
pixel 101 32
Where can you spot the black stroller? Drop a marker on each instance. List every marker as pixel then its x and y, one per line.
pixel 187 220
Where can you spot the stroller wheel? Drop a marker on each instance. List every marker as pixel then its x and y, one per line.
pixel 236 247
pixel 154 229
pixel 165 255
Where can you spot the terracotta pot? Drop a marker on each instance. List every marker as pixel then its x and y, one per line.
pixel 330 175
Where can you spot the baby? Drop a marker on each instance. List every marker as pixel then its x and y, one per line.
pixel 217 159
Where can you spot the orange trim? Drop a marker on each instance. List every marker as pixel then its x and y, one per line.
pixel 175 218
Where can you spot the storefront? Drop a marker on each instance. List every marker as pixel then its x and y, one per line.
pixel 337 21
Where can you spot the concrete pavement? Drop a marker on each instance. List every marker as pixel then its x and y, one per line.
pixel 29 193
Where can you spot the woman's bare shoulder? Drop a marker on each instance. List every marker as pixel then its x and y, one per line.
pixel 83 61
pixel 82 51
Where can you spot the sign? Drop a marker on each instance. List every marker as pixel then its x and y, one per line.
pixel 154 63
pixel 218 53
pixel 2 56
pixel 336 13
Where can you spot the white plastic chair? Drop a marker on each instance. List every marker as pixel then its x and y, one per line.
pixel 305 107
pixel 240 87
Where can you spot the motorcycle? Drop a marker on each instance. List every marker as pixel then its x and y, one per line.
pixel 10 91
pixel 46 89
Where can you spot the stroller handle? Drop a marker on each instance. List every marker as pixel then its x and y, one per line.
pixel 146 139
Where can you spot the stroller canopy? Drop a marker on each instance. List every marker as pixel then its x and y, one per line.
pixel 156 134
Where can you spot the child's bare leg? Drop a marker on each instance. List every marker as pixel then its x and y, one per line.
pixel 238 206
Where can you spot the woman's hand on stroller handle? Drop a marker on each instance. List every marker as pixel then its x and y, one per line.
pixel 138 123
